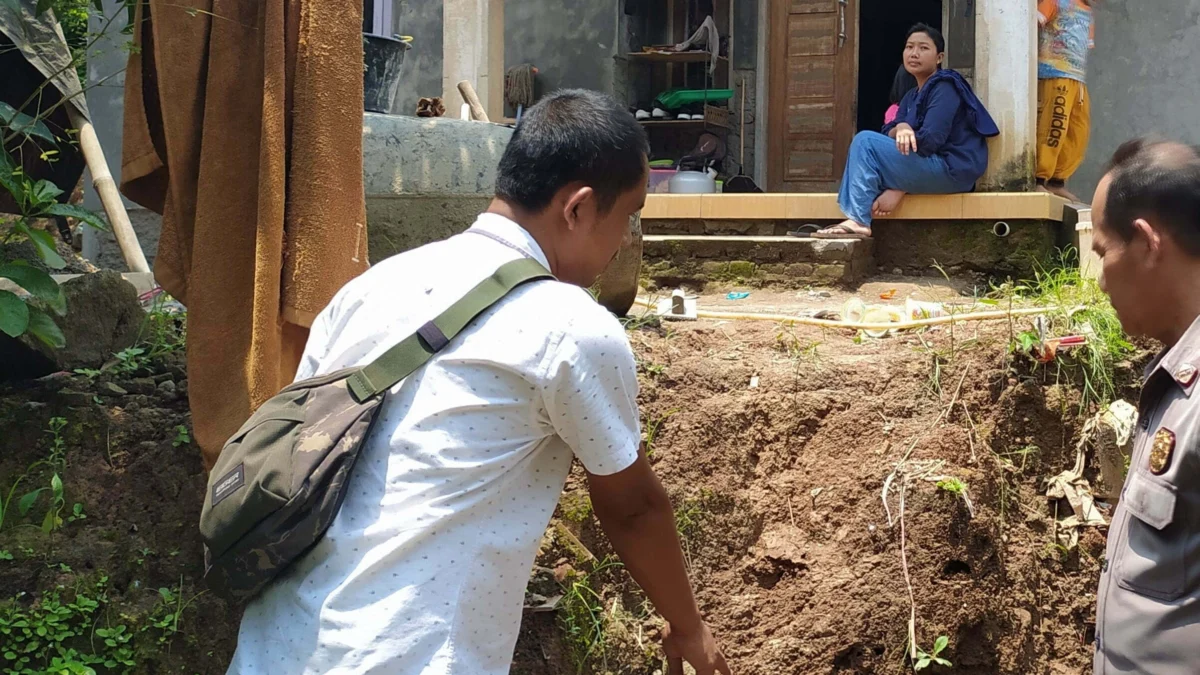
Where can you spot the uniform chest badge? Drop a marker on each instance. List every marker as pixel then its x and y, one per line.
pixel 1161 451
pixel 1185 375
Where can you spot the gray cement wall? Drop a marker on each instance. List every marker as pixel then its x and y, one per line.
pixel 1142 77
pixel 572 43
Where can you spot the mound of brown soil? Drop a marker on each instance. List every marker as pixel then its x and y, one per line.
pixel 776 445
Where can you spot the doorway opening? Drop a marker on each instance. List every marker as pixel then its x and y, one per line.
pixel 883 25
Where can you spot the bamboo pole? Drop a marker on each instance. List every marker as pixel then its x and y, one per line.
pixel 110 198
pixel 849 325
pixel 468 93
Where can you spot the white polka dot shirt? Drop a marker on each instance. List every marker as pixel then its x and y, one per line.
pixel 424 568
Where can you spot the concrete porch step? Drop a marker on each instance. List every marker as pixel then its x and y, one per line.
pixel 694 260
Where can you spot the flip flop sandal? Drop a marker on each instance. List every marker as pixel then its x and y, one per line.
pixel 805 231
pixel 839 235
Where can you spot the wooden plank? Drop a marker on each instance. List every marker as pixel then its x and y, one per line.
pixel 812 35
pixel 810 159
pixel 810 6
pixel 744 206
pixel 810 117
pixel 671 207
pixel 811 77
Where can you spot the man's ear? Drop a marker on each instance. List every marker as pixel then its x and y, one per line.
pixel 579 203
pixel 1152 239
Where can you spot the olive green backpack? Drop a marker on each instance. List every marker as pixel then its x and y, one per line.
pixel 280 480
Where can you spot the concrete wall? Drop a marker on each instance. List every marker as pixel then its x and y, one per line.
pixel 426 179
pixel 1142 77
pixel 572 42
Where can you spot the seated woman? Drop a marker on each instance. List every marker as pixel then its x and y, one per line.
pixel 936 144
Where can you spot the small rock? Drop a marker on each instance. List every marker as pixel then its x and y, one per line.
pixel 103 317
pixel 75 399
pixel 897 271
pixel 167 388
pixel 113 389
pixel 163 377
pixel 182 388
pixel 143 386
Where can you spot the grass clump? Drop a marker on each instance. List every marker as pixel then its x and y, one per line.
pixel 1078 307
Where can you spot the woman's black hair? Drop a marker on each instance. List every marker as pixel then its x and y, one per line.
pixel 933 33
pixel 901 85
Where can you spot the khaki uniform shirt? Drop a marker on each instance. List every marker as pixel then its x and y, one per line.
pixel 1148 618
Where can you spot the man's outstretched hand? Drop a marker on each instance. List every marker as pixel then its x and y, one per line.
pixel 697 648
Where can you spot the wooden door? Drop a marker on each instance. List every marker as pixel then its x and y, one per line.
pixel 813 82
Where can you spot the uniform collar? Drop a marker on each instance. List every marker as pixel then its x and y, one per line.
pixel 496 226
pixel 1182 361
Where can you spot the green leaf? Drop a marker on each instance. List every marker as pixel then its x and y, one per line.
pixel 42 327
pixel 72 211
pixel 47 251
pixel 24 124
pixel 39 284
pixel 922 664
pixel 48 522
pixel 56 485
pixel 45 192
pixel 27 501
pixel 14 314
pixel 940 644
pixel 99 5
pixel 942 662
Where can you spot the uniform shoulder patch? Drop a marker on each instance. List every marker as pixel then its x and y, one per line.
pixel 1185 375
pixel 1161 451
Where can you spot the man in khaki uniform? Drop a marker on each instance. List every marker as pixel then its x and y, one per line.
pixel 1146 215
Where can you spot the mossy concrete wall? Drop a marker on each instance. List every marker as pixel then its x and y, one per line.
pixel 426 178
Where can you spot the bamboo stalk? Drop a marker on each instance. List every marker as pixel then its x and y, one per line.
pixel 849 325
pixel 468 93
pixel 110 198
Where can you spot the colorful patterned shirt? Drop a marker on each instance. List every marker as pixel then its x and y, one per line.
pixel 1067 33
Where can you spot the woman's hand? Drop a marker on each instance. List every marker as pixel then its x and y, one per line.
pixel 906 138
pixel 697 648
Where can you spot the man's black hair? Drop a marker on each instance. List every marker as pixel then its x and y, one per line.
pixel 573 135
pixel 934 34
pixel 903 83
pixel 1158 181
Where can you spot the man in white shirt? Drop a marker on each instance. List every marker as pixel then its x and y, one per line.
pixel 423 570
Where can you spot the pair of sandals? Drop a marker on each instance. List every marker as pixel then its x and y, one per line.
pixel 813 231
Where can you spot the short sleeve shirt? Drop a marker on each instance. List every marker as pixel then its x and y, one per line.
pixel 1065 39
pixel 1148 618
pixel 424 568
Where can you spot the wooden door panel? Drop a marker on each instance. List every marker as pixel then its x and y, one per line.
pixel 812 6
pixel 812 34
pixel 810 160
pixel 810 118
pixel 811 77
pixel 812 85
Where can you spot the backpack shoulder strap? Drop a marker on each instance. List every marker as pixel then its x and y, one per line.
pixel 413 351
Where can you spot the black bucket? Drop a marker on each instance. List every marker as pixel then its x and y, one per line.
pixel 382 58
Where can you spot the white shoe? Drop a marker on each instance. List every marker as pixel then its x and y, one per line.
pixel 660 114
pixel 642 115
pixel 698 117
pixel 683 116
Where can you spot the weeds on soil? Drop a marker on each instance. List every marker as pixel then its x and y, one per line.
pixel 583 617
pixel 56 464
pixel 1079 307
pixel 926 659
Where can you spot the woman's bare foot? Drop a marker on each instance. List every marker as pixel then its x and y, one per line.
pixel 1062 191
pixel 847 229
pixel 887 202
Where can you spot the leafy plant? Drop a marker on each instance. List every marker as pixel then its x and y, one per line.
pixel 924 659
pixel 952 485
pixel 5 555
pixel 182 437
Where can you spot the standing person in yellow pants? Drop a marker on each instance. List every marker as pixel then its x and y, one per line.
pixel 1066 36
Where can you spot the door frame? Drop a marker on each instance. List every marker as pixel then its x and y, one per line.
pixel 960 46
pixel 773 32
